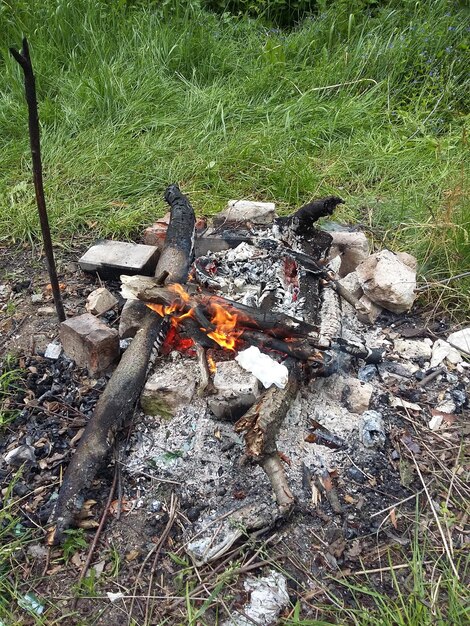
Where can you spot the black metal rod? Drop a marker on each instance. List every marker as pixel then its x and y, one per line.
pixel 24 60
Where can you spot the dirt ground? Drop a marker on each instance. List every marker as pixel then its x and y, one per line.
pixel 140 553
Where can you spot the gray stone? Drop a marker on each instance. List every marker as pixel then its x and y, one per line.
pixel 247 211
pixel 413 349
pixel 21 454
pixel 371 429
pixel 46 310
pixel 89 342
pixel 353 248
pixel 132 316
pixel 352 284
pixel 110 259
pixel 53 351
pixel 99 301
pixel 168 389
pixel 232 380
pixel 354 394
pixel 387 281
pixel 461 340
pixel 36 298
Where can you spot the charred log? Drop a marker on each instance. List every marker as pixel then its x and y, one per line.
pixel 177 252
pixel 260 426
pixel 273 323
pixel 119 399
pixel 301 222
pixel 114 407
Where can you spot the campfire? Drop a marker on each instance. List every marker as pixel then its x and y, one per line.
pixel 238 324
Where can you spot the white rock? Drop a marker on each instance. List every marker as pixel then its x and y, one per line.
pixel 369 312
pixel 266 369
pixel 435 422
pixel 461 340
pixel 53 351
pixel 446 406
pixel 442 350
pixel 413 348
pixel 408 259
pixel 399 403
pixel 36 298
pixel 352 284
pixel 99 301
pixel 334 264
pixel 247 211
pixel 354 394
pixel 387 281
pixel 353 248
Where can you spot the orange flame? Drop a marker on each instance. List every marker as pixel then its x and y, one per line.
pixel 224 334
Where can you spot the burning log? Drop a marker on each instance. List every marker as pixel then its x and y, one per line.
pixel 118 401
pixel 260 426
pixel 174 298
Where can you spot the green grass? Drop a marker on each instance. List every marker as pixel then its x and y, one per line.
pixel 372 107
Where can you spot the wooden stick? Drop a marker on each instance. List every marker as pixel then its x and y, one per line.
pixel 24 59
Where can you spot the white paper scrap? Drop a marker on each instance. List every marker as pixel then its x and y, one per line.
pixel 266 369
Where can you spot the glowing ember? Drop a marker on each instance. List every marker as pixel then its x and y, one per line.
pixel 211 364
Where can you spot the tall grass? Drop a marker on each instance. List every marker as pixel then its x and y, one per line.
pixel 371 106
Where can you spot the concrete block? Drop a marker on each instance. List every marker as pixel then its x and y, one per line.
pixel 110 259
pixel 247 211
pixel 165 391
pixel 89 342
pixel 99 301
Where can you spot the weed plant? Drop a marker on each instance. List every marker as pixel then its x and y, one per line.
pixel 368 105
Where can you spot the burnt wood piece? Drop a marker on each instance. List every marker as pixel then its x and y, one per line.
pixel 177 253
pixel 118 401
pixel 296 348
pixel 115 406
pixel 273 323
pixel 24 59
pixel 301 222
pixel 260 426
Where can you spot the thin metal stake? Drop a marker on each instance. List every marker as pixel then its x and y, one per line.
pixel 24 60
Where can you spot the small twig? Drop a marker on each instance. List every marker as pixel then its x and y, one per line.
pixel 395 504
pixel 380 570
pixel 444 281
pixel 430 377
pixel 97 534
